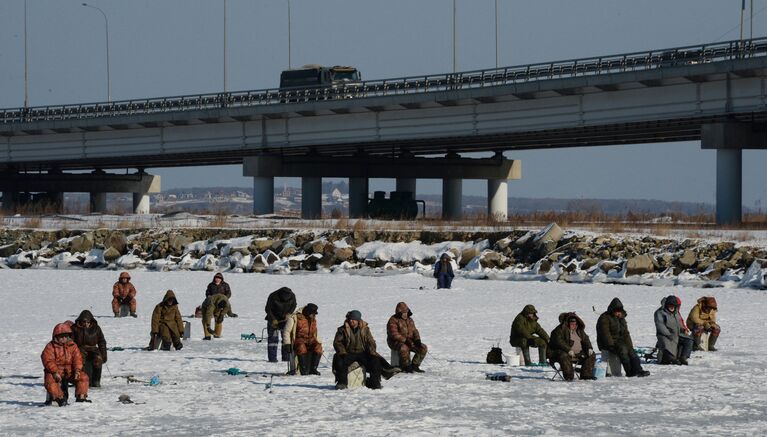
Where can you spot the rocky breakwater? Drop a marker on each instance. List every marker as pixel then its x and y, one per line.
pixel 549 254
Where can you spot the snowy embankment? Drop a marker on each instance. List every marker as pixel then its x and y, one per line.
pixel 550 254
pixel 717 394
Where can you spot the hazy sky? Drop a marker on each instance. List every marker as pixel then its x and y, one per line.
pixel 173 47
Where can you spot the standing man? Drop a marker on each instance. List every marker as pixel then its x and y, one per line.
pixel 124 293
pixel 279 305
pixel 613 336
pixel 219 286
pixel 354 342
pixel 570 345
pixel 702 319
pixel 526 332
pixel 403 337
pixel 215 307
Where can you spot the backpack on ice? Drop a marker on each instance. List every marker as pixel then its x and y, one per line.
pixel 495 356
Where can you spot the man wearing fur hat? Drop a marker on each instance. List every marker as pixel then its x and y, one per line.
pixel 570 345
pixel 403 337
pixel 702 319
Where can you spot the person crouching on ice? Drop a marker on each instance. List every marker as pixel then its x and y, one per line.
pixel 443 271
pixel 63 365
pixel 124 293
pixel 215 307
pixel 302 331
pixel 403 337
pixel 167 324
pixel 702 319
pixel 354 342
pixel 570 345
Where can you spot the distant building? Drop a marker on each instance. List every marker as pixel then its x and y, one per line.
pixel 336 195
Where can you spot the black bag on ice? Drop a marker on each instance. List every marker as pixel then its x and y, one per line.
pixel 495 356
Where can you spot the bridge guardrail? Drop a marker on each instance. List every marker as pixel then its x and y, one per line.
pixel 404 85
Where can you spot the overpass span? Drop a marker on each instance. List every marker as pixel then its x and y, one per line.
pixel 704 92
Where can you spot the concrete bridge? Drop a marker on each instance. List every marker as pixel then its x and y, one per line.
pixel 407 128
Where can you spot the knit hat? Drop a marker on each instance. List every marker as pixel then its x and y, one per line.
pixel 309 309
pixel 672 301
pixel 354 315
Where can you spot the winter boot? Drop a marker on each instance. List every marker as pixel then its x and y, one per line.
pixel 134 315
pixel 541 354
pixel 219 328
pixel 387 373
pixel 314 363
pixel 711 342
pixel 526 356
pixel 303 363
pixel 95 377
pixel 206 331
pixel 696 343
pixel 83 398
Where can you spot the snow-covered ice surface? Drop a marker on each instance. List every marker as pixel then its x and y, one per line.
pixel 720 393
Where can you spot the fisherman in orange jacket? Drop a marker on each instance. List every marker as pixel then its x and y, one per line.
pixel 63 364
pixel 124 293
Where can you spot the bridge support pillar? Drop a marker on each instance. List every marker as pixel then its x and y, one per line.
pixel 358 197
pixel 57 201
pixel 9 201
pixel 263 195
pixel 729 139
pixel 452 195
pixel 497 199
pixel 406 184
pixel 141 203
pixel 98 202
pixel 729 181
pixel 311 197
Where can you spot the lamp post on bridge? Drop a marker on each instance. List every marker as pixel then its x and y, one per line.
pixel 106 27
pixel 226 54
pixel 290 60
pixel 26 68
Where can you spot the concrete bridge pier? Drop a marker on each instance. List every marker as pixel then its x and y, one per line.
pixel 358 196
pixel 498 199
pixel 10 198
pixel 452 169
pixel 263 195
pixel 311 197
pixel 406 184
pixel 729 185
pixel 452 196
pixel 98 202
pixel 729 139
pixel 141 203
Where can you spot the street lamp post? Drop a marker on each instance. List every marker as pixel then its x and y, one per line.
pixel 454 57
pixel 496 34
pixel 26 68
pixel 106 28
pixel 226 54
pixel 290 61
